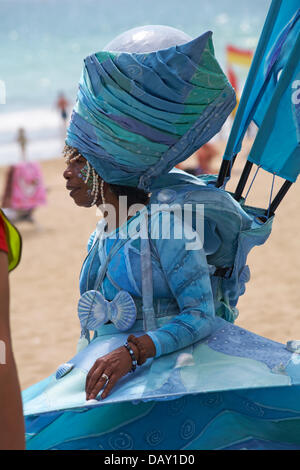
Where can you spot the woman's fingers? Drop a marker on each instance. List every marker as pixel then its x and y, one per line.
pixel 99 383
pixel 94 378
pixel 90 373
pixel 106 371
pixel 110 384
pixel 103 382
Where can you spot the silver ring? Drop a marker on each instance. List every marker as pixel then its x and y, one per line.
pixel 104 376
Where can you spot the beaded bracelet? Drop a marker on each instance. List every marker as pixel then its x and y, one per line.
pixel 141 348
pixel 133 358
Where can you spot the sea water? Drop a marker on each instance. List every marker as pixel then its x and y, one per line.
pixel 43 43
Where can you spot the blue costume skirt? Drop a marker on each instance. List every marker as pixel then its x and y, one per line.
pixel 233 390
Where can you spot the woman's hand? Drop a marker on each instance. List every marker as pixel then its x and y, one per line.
pixel 114 365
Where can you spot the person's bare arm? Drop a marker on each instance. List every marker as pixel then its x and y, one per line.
pixel 8 188
pixel 11 415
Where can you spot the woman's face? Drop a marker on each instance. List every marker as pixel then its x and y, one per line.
pixel 75 174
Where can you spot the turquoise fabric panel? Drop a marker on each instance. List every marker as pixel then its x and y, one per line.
pixel 231 358
pixel 233 390
pixel 252 420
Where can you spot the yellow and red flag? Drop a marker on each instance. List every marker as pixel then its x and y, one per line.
pixel 237 56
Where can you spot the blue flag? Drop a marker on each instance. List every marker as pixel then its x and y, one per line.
pixel 271 97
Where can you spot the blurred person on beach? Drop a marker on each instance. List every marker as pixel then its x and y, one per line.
pixel 205 156
pixel 24 190
pixel 12 434
pixel 62 106
pixel 22 141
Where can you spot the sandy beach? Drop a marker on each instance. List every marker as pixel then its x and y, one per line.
pixel 44 288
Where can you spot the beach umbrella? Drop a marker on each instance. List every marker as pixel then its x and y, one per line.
pixel 271 98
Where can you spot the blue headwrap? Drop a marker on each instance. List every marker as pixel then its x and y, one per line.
pixel 139 114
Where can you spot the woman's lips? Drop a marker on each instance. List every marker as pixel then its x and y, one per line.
pixel 72 190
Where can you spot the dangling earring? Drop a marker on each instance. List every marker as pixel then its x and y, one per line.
pixel 95 188
pixel 91 179
pixel 91 174
pixel 88 172
pixel 102 193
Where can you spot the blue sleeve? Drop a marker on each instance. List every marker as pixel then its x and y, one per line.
pixel 187 274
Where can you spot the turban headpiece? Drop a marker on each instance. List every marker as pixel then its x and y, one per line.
pixel 138 114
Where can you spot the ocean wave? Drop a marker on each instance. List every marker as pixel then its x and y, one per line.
pixel 44 130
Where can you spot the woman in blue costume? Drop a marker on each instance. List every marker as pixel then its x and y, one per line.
pixel 162 363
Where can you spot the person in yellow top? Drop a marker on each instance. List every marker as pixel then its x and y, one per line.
pixel 11 416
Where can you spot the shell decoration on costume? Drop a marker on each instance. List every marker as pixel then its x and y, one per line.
pixel 63 370
pixel 94 310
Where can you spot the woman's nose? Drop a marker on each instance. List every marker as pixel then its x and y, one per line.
pixel 67 173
